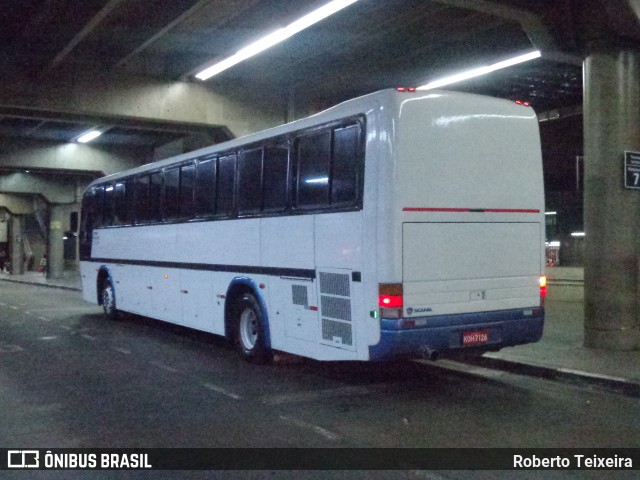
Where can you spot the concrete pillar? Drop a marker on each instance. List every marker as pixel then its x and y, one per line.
pixel 17 247
pixel 55 247
pixel 611 211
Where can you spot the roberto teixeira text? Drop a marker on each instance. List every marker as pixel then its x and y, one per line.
pixel 574 461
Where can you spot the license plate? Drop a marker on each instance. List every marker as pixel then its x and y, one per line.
pixel 476 337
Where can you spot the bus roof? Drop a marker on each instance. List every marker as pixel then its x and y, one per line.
pixel 361 105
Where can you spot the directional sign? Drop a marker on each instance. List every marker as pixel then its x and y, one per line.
pixel 632 170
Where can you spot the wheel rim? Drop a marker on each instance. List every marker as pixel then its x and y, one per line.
pixel 248 328
pixel 107 300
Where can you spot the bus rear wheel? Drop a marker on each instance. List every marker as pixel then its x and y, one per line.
pixel 249 331
pixel 109 302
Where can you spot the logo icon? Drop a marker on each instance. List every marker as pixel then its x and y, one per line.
pixel 411 310
pixel 23 459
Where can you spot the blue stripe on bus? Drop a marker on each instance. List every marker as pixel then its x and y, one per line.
pixel 444 333
pixel 242 269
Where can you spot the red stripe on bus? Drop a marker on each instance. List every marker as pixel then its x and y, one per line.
pixel 467 210
pixel 510 210
pixel 412 209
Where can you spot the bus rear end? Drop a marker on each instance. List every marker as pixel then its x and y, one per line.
pixel 464 234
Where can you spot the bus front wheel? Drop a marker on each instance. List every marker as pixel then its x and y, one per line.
pixel 249 331
pixel 109 302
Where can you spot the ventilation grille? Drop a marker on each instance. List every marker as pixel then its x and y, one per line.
pixel 299 295
pixel 334 284
pixel 335 309
pixel 336 332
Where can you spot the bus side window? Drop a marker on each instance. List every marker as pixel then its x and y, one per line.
pixel 205 187
pixel 187 184
pixel 130 204
pixel 345 166
pixel 313 169
pixel 155 197
pixel 120 204
pixel 142 198
pixel 98 202
pixel 250 181
pixel 108 218
pixel 171 193
pixel 225 185
pixel 276 178
pixel 87 223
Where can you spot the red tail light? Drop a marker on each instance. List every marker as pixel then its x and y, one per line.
pixel 406 89
pixel 390 295
pixel 543 288
pixel 390 300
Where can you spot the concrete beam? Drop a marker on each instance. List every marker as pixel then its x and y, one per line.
pixel 20 154
pixel 533 25
pixel 16 204
pixel 84 32
pixel 59 190
pixel 116 95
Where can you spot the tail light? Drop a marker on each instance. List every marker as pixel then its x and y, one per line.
pixel 390 300
pixel 543 288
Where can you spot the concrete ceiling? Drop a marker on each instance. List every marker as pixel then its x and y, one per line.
pixel 372 44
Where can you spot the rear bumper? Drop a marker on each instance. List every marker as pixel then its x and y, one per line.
pixel 413 337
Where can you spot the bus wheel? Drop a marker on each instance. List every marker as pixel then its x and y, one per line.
pixel 250 332
pixel 109 302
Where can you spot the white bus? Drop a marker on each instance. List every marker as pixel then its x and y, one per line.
pixel 397 224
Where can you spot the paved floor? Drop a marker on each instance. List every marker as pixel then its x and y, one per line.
pixel 560 353
pixel 561 349
pixel 70 379
pixel 69 281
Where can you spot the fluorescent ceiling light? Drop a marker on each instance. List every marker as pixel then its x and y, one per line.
pixel 550 213
pixel 324 180
pixel 476 72
pixel 578 234
pixel 276 37
pixel 87 137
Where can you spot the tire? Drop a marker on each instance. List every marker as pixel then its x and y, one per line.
pixel 249 331
pixel 108 296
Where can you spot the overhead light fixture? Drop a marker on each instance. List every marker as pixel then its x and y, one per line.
pixel 87 137
pixel 476 72
pixel 276 37
pixel 578 234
